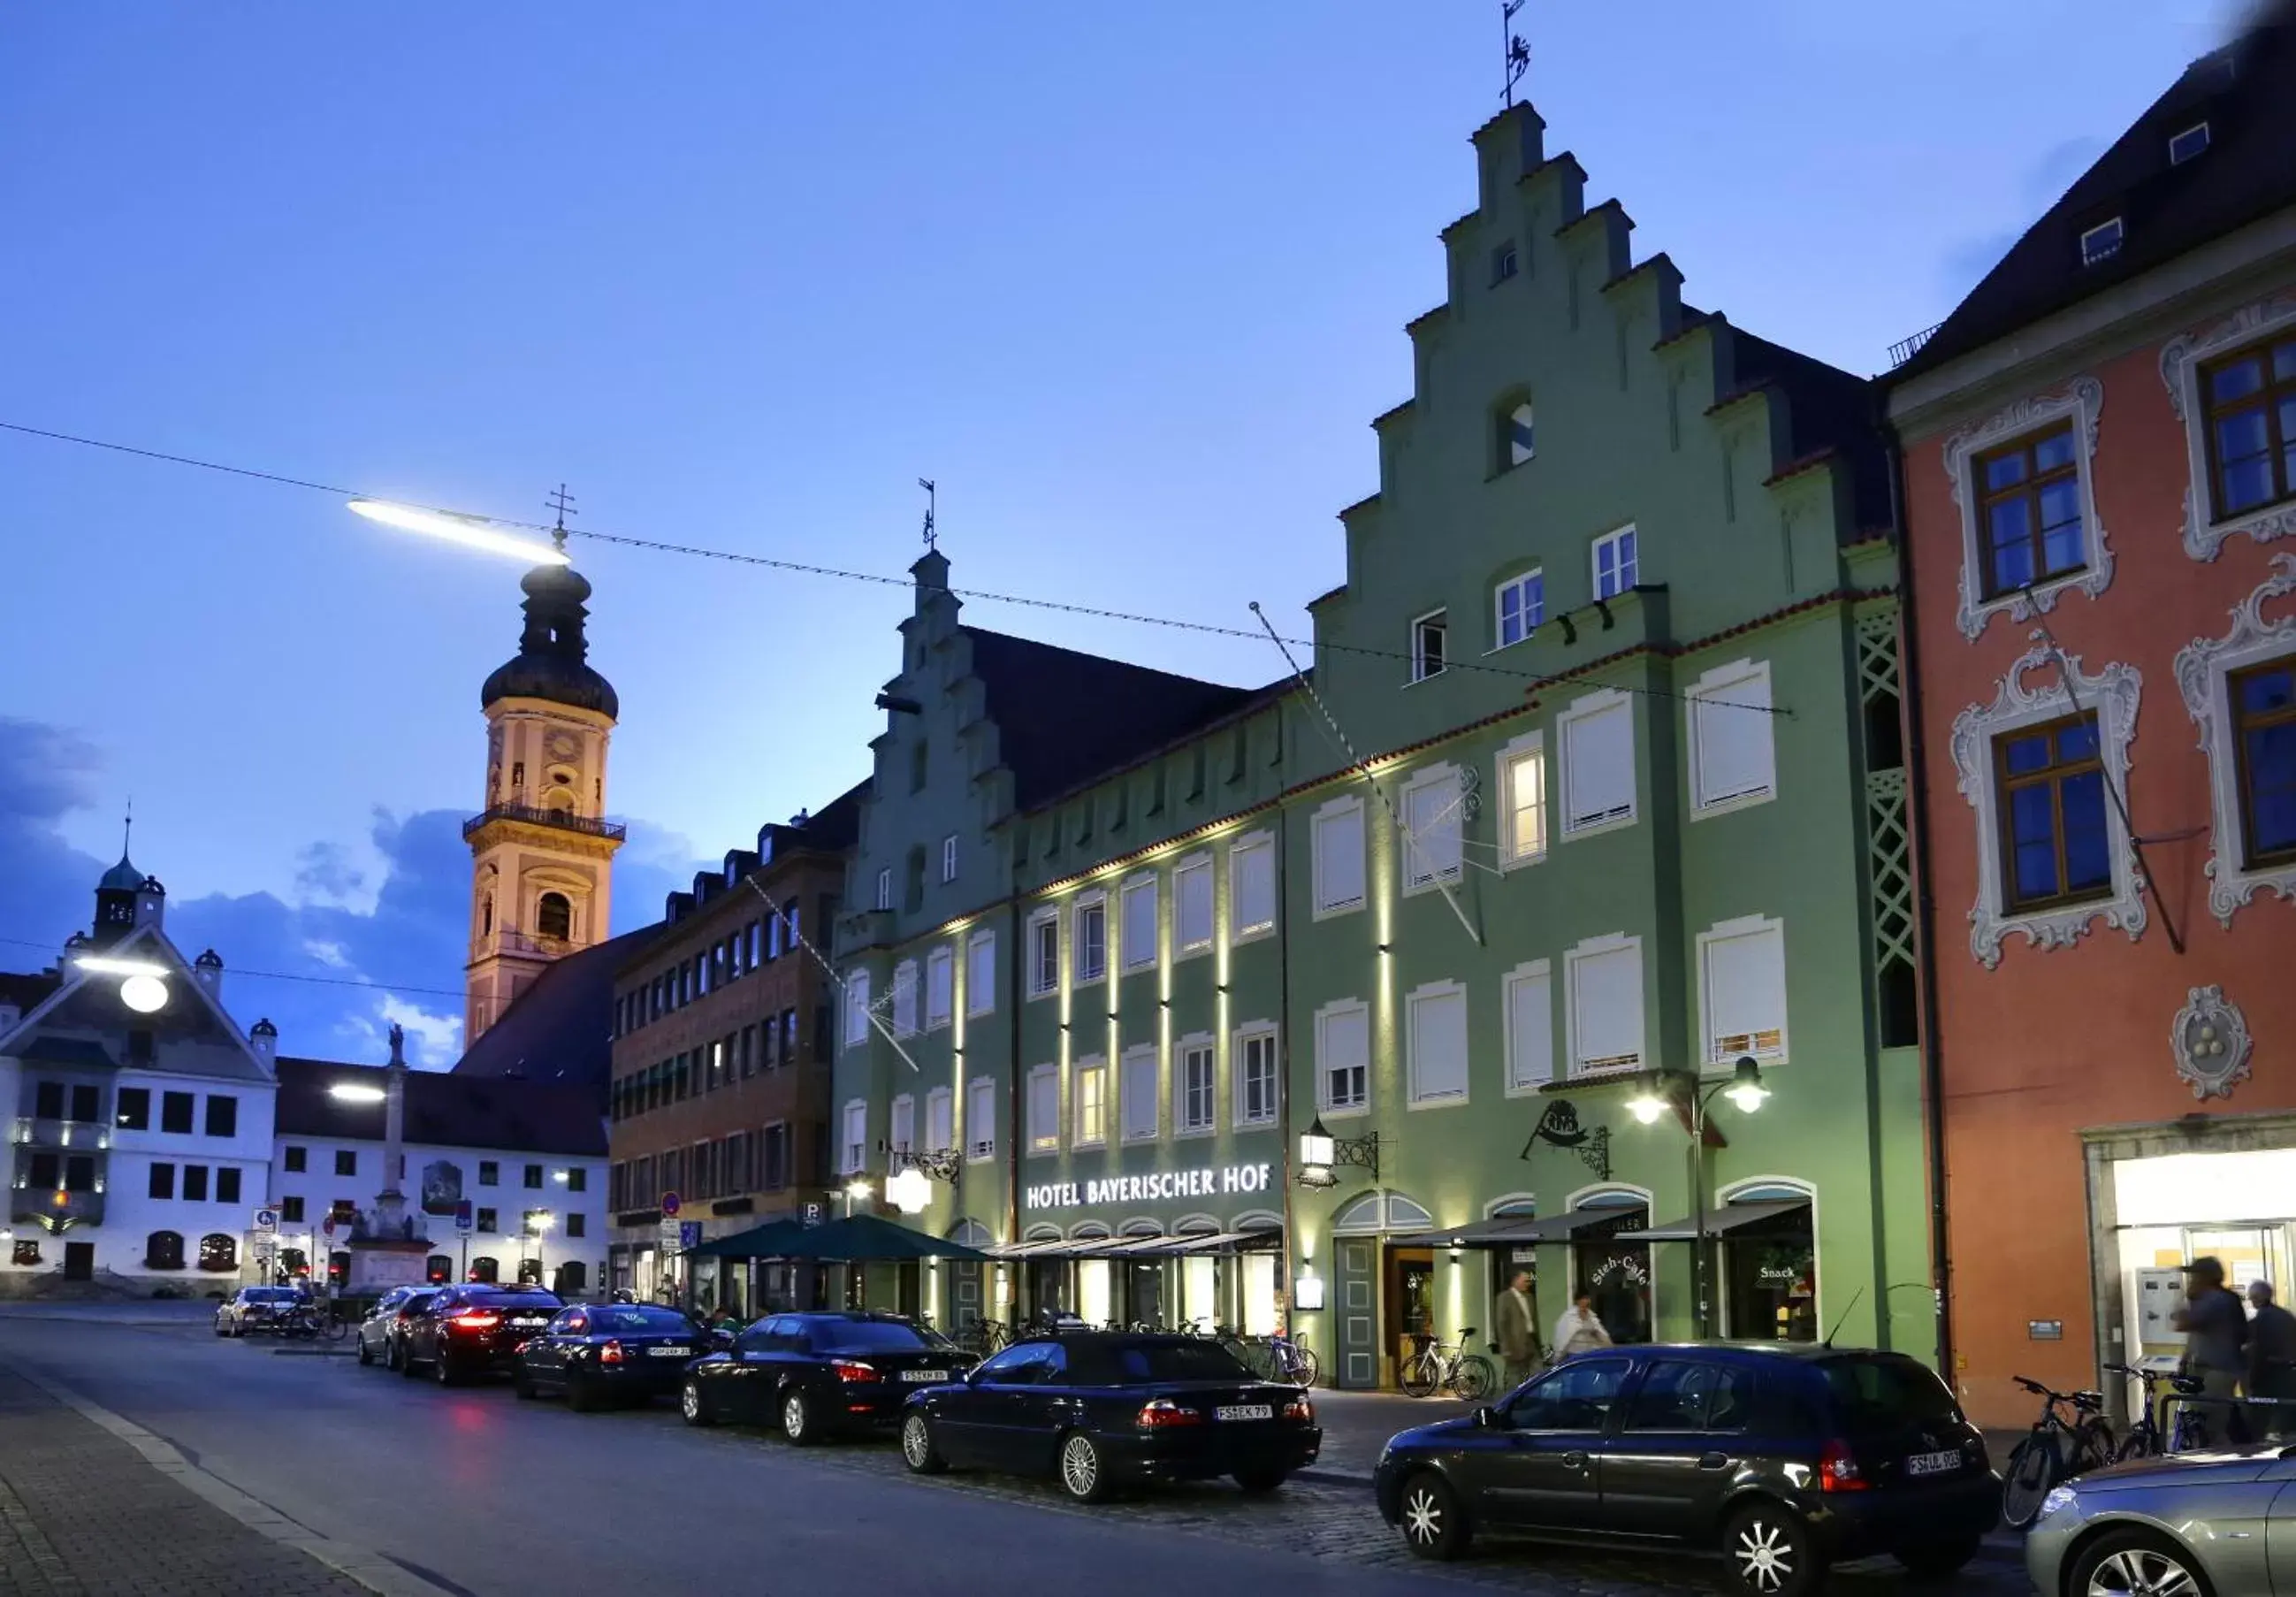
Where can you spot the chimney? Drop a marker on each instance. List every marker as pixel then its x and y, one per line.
pixel 263 1040
pixel 207 970
pixel 151 903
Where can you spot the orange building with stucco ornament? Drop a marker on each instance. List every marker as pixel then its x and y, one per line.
pixel 2098 478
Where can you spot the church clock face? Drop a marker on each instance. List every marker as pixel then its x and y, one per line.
pixel 562 745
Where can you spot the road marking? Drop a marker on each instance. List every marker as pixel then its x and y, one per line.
pixel 373 1570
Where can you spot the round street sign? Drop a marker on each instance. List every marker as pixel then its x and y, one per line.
pixel 668 1205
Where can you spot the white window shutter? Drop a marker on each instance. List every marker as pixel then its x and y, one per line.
pixel 941 968
pixel 1746 993
pixel 1598 766
pixel 1140 923
pixel 1044 1109
pixel 1430 815
pixel 1439 1044
pixel 940 1136
pixel 1345 1043
pixel 1193 887
pixel 980 1117
pixel 856 1009
pixel 1734 739
pixel 905 1123
pixel 980 974
pixel 1340 858
pixel 1139 1095
pixel 1255 886
pixel 1606 1008
pixel 1530 1028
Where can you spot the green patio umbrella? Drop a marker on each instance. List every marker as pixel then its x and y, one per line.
pixel 767 1241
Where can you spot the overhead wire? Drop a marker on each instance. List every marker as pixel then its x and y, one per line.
pixel 876 578
pixel 284 975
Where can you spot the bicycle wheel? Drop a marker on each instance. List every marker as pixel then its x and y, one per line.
pixel 2142 1442
pixel 1473 1377
pixel 1418 1376
pixel 2033 1471
pixel 337 1328
pixel 2094 1446
pixel 1304 1367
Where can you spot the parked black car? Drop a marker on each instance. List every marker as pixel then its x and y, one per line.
pixel 382 1334
pixel 815 1373
pixel 1787 1457
pixel 1102 1409
pixel 254 1310
pixel 474 1329
pixel 598 1353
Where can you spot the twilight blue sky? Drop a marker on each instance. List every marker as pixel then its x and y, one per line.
pixel 1126 281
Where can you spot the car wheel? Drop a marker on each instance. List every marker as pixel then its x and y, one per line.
pixel 797 1417
pixel 1084 1472
pixel 366 1357
pixel 1433 1523
pixel 442 1370
pixel 219 1329
pixel 394 1354
pixel 1935 1561
pixel 692 1406
pixel 2134 1560
pixel 406 1362
pixel 583 1397
pixel 917 1449
pixel 1259 1483
pixel 1769 1552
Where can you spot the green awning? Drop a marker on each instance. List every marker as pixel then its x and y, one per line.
pixel 765 1241
pixel 866 1237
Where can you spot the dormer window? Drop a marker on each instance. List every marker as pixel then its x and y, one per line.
pixel 2184 146
pixel 2101 243
pixel 1429 634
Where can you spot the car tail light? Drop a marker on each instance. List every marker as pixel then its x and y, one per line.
pixel 611 1354
pixel 848 1370
pixel 1163 1412
pixel 475 1320
pixel 1837 1470
pixel 1302 1410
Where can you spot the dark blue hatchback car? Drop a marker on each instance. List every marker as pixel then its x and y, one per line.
pixel 1784 1457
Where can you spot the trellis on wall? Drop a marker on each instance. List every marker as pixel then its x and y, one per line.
pixel 1888 838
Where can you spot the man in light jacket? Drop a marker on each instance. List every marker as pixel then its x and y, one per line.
pixel 1518 1338
pixel 1578 1331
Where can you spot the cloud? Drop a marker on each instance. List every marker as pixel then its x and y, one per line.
pixel 404 925
pixel 2039 186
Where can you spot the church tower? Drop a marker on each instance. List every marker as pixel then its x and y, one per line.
pixel 542 850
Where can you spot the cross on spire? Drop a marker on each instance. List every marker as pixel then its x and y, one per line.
pixel 563 502
pixel 931 540
pixel 127 826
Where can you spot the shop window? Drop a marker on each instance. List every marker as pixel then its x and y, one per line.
pixel 1597 734
pixel 570 1279
pixel 1192 904
pixel 218 1252
pixel 529 1272
pixel 438 1268
pixel 1139 909
pixel 1770 1269
pixel 163 1250
pixel 1337 833
pixel 484 1268
pixel 940 980
pixel 1616 1273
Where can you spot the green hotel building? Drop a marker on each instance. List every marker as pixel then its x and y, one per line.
pixel 1593 792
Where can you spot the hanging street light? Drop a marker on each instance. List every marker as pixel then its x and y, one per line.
pixel 1321 1154
pixel 472 531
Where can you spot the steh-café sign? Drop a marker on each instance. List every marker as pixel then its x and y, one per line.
pixel 1166 1186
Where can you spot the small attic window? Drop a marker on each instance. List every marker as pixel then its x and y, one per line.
pixel 2184 145
pixel 1505 260
pixel 2101 243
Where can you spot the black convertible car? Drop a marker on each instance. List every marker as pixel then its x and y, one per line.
pixel 601 1353
pixel 815 1373
pixel 1103 1409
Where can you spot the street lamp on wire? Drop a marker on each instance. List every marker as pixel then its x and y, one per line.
pixel 1681 1091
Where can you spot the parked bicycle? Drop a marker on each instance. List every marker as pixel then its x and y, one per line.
pixel 1435 1365
pixel 2145 1439
pixel 2058 1449
pixel 314 1320
pixel 1273 1357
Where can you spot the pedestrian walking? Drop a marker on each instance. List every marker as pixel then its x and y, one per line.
pixel 2215 1328
pixel 2272 1362
pixel 1578 1331
pixel 1517 1335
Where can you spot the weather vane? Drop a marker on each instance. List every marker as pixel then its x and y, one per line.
pixel 1518 54
pixel 926 483
pixel 562 502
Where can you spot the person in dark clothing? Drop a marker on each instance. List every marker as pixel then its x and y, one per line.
pixel 2215 1328
pixel 2272 1362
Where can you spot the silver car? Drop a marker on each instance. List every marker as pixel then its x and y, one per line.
pixel 2184 1525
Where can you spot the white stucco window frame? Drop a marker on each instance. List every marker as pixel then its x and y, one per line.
pixel 1444 774
pixel 1242 1035
pixel 1038 920
pixel 1502 783
pixel 2181 359
pixel 1738 682
pixel 1416 1097
pixel 2204 668
pixel 1332 810
pixel 1078 1136
pixel 2113 695
pixel 1030 1130
pixel 1130 959
pixel 2083 402
pixel 1182 949
pixel 1248 844
pixel 1177 1085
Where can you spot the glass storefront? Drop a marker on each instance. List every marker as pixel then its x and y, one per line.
pixel 2239 1208
pixel 1769 1274
pixel 1616 1272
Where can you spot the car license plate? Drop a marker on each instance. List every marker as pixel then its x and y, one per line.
pixel 528 1324
pixel 1932 1463
pixel 924 1375
pixel 1244 1410
pixel 671 1353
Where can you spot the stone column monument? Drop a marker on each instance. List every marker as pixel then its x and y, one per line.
pixel 388 1246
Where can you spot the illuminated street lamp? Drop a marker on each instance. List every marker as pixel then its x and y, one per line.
pixel 1321 1153
pixel 1679 1091
pixel 472 531
pixel 856 1190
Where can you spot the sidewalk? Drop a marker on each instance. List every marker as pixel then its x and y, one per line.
pixel 83 1515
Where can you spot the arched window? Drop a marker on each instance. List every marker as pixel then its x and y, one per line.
pixel 1514 434
pixel 529 1272
pixel 438 1268
pixel 218 1252
pixel 483 1269
pixel 163 1250
pixel 486 916
pixel 554 916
